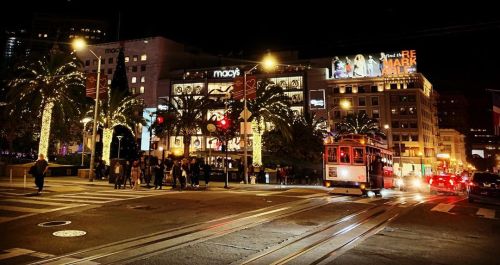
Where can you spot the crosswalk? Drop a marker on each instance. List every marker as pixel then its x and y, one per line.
pixel 15 205
pixel 455 209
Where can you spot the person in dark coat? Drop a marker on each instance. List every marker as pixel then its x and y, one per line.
pixel 159 168
pixel 176 174
pixel 206 173
pixel 41 169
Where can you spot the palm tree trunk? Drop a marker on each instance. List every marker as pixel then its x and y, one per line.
pixel 187 143
pixel 106 145
pixel 43 147
pixel 257 129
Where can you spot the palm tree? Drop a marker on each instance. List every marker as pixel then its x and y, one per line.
pixel 186 113
pixel 45 86
pixel 360 124
pixel 270 107
pixel 120 109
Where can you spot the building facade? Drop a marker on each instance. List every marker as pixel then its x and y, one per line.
pixel 452 150
pixel 453 111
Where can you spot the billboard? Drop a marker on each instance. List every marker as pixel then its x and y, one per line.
pixel 148 115
pixel 374 64
pixel 317 99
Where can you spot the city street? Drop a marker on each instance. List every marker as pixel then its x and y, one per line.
pixel 247 224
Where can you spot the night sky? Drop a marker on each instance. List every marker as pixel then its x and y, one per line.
pixel 457 46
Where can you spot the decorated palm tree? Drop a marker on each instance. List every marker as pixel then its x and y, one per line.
pixel 44 86
pixel 270 108
pixel 185 112
pixel 360 124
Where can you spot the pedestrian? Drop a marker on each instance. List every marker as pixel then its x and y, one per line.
pixel 176 174
pixel 185 172
pixel 119 175
pixel 41 169
pixel 135 173
pixel 127 175
pixel 159 168
pixel 195 173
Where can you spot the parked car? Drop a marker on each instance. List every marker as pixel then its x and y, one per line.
pixel 484 186
pixel 446 183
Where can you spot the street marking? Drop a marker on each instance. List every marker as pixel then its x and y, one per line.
pixel 21 209
pixel 443 207
pixel 71 261
pixel 368 200
pixel 14 252
pixel 76 196
pixel 41 255
pixel 61 199
pixel 35 201
pixel 486 213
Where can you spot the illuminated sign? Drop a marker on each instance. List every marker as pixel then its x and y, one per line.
pixel 162 107
pixel 444 156
pixel 373 65
pixel 145 139
pixel 317 99
pixel 231 73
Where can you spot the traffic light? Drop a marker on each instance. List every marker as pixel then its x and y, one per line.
pixel 160 119
pixel 224 123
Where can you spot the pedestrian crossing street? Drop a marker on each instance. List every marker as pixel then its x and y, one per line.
pixel 15 204
pixel 472 210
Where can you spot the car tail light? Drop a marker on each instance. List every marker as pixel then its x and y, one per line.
pixel 471 184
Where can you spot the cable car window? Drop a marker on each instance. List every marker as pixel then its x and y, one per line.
pixel 344 155
pixel 332 154
pixel 358 155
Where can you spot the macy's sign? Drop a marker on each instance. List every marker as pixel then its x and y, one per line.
pixel 227 73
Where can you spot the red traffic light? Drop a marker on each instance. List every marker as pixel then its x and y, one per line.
pixel 160 119
pixel 224 123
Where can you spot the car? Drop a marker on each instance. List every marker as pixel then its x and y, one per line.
pixel 410 183
pixel 446 183
pixel 484 186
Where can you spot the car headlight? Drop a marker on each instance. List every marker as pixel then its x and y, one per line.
pixel 416 183
pixel 399 182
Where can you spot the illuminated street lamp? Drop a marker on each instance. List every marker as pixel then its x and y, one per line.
pixel 344 104
pixel 119 144
pixel 78 45
pixel 269 62
pixel 84 121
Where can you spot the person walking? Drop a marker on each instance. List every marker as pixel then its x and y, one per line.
pixel 119 175
pixel 41 169
pixel 176 174
pixel 127 175
pixel 206 173
pixel 135 173
pixel 159 168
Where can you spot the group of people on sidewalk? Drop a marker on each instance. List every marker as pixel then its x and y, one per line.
pixel 173 171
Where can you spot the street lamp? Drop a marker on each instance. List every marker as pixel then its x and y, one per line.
pixel 119 144
pixel 84 121
pixel 80 44
pixel 343 104
pixel 268 63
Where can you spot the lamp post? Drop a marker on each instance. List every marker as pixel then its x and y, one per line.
pixel 344 104
pixel 80 44
pixel 119 144
pixel 84 121
pixel 268 63
pixel 422 172
pixel 388 128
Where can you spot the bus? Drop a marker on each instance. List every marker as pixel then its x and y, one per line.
pixel 357 164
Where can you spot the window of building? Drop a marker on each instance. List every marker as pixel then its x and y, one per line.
pixel 405 137
pixel 413 125
pixel 110 60
pixel 103 61
pixel 134 68
pixel 110 71
pixel 127 59
pixel 402 111
pixel 132 90
pixel 412 98
pixel 143 79
pixel 412 110
pixel 344 155
pixel 143 68
pixel 395 137
pixel 135 58
pixel 142 90
pixel 332 154
pixel 404 124
pixel 134 80
pixel 87 62
pixel 109 81
pixel 393 111
pixel 361 89
pixel 394 86
pixel 336 90
pixel 395 124
pixel 374 101
pixel 362 111
pixel 414 137
pixel 144 57
pixel 348 90
pixel 403 98
pixel 361 101
pixel 375 114
pixel 374 89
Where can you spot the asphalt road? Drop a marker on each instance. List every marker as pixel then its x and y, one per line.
pixel 243 225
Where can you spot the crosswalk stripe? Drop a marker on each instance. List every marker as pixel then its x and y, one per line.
pixel 67 260
pixel 486 213
pixel 60 199
pixel 31 201
pixel 76 196
pixel 367 200
pixel 14 252
pixel 21 209
pixel 443 207
pixel 138 192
